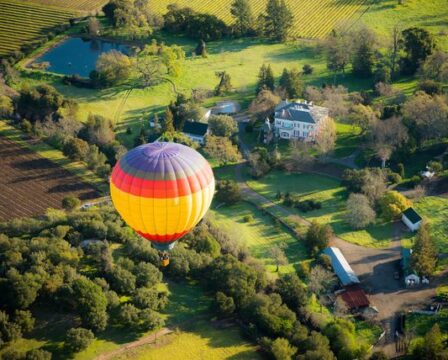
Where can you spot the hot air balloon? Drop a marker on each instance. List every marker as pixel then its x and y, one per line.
pixel 162 190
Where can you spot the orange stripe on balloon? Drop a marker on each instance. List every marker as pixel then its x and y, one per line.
pixel 166 239
pixel 161 188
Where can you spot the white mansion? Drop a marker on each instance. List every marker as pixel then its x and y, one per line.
pixel 299 120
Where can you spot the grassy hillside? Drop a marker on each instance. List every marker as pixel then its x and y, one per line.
pixel 332 197
pixel 200 340
pixel 259 235
pixel 383 15
pixel 312 18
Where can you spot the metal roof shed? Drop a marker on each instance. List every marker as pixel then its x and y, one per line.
pixel 341 267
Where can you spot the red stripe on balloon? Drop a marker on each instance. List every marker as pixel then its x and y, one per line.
pixel 166 239
pixel 161 189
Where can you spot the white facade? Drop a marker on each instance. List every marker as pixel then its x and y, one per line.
pixel 299 120
pixel 411 226
pixel 196 138
pixel 288 129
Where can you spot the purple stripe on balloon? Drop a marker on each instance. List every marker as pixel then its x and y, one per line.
pixel 162 161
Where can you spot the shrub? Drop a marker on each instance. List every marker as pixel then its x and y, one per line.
pixel 71 203
pixel 430 87
pixel 442 292
pixel 318 236
pixel 225 304
pixel 26 126
pixel 78 339
pixel 228 192
pixel 308 205
pixel 304 269
pixel 359 212
pixel 248 218
pixel 38 354
pixel 307 69
pixel 76 149
pixel 394 178
pixel 392 204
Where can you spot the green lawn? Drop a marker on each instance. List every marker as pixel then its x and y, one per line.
pixel 420 324
pixel 347 140
pixel 77 168
pixel 435 210
pixel 331 195
pixel 241 58
pixel 200 340
pixel 259 235
pixel 430 14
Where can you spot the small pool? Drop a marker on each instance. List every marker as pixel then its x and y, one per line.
pixel 78 56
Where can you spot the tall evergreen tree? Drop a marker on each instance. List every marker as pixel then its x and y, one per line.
pixel 244 19
pixel 418 44
pixel 270 80
pixel 291 83
pixel 265 79
pixel 261 84
pixel 278 20
pixel 424 252
pixel 168 125
pixel 363 59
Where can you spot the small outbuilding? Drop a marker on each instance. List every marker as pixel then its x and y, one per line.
pixel 411 219
pixel 354 297
pixel 341 267
pixel 226 108
pixel 196 131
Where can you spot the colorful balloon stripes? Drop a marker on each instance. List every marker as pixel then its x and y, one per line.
pixel 162 190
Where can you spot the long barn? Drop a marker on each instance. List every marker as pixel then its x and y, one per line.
pixel 341 267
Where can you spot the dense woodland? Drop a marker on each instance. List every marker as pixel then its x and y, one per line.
pixel 96 270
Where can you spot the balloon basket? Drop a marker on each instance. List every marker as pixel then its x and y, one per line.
pixel 165 262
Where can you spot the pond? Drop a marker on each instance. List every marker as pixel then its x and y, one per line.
pixel 77 55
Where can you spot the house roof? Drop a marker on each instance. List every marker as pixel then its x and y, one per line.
pixel 195 128
pixel 355 297
pixel 300 111
pixel 412 215
pixel 341 267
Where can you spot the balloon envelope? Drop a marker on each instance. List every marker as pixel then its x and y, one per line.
pixel 162 190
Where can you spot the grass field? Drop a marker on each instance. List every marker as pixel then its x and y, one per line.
pixel 22 22
pixel 258 235
pixel 200 340
pixel 312 18
pixel 347 140
pixel 435 210
pixel 383 15
pixel 331 195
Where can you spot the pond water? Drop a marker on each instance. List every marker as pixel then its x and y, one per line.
pixel 78 56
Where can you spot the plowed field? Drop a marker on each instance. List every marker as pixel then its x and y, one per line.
pixel 29 183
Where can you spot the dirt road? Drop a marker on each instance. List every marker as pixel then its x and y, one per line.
pixel 149 339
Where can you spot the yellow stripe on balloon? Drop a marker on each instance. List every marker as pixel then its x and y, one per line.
pixel 162 216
